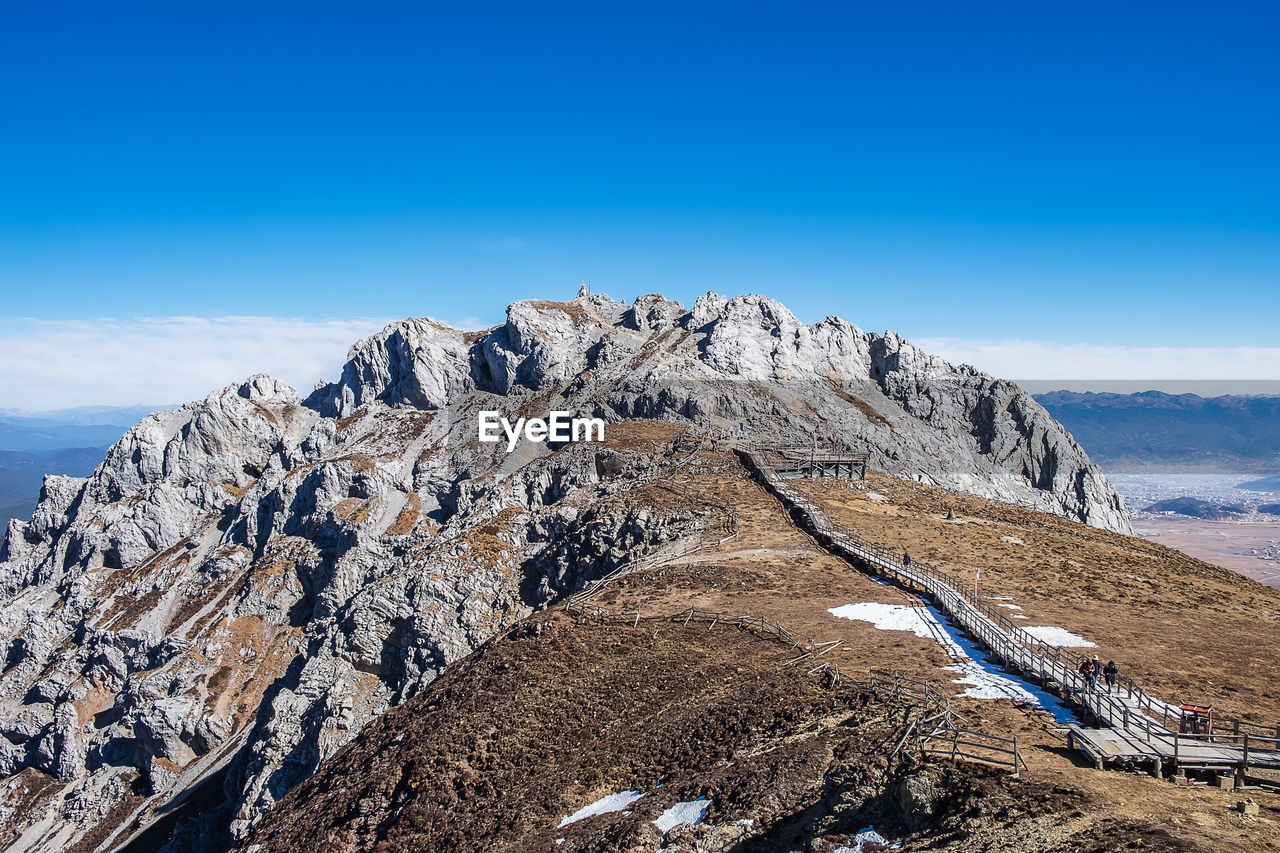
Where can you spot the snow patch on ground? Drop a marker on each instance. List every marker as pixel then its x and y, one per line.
pixel 921 622
pixel 1009 606
pixel 989 685
pixel 1055 636
pixel 1018 616
pixel 690 813
pixel 999 598
pixel 604 805
pixel 862 839
pixel 889 617
pixel 877 497
pixel 1012 540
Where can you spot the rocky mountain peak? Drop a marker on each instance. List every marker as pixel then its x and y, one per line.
pixel 245 581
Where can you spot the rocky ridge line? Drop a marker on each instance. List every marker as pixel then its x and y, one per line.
pixel 244 582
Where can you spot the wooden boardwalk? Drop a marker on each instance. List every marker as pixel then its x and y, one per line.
pixel 791 462
pixel 1131 725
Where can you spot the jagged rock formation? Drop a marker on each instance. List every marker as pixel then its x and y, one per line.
pixel 244 582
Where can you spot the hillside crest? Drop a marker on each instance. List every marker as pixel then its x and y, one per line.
pixel 246 581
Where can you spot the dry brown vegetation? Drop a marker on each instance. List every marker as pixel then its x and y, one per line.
pixel 861 405
pixel 407 519
pixel 675 713
pixel 576 312
pixel 1187 630
pixel 484 539
pixel 469 765
pixel 643 436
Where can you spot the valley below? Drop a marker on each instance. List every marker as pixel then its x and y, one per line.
pixel 1251 548
pixel 1247 542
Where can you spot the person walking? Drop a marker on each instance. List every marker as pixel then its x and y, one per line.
pixel 1087 673
pixel 1111 672
pixel 1097 670
pixel 906 560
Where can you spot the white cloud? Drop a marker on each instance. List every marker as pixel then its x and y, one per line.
pixel 1012 359
pixel 52 364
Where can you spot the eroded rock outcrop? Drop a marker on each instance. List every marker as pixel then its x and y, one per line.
pixel 244 582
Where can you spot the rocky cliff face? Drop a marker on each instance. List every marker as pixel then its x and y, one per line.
pixel 244 582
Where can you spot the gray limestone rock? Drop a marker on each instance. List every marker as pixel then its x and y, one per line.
pixel 419 363
pixel 246 581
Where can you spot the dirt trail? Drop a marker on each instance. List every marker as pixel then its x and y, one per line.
pixel 672 714
pixel 1160 625
pixel 540 723
pixel 1187 630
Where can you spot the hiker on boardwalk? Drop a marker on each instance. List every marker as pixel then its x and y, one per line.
pixel 1111 672
pixel 906 560
pixel 1088 673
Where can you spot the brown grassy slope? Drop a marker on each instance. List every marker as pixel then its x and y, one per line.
pixel 534 727
pixel 1187 630
pixel 771 570
pixel 774 570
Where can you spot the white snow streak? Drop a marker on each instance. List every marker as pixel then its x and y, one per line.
pixel 988 685
pixel 1058 636
pixel 604 805
pixel 690 813
pixel 865 837
pixel 889 617
pixel 921 622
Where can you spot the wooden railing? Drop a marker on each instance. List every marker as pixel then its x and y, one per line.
pixel 936 734
pixel 1007 641
pixel 913 690
pixel 954 742
pixel 936 723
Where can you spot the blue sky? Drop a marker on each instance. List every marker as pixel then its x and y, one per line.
pixel 1063 174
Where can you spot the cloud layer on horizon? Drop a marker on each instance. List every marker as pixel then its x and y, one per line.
pixel 1023 359
pixel 55 364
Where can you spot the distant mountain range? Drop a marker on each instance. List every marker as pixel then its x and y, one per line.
pixel 22 474
pixel 1197 508
pixel 87 426
pixel 1265 484
pixel 68 441
pixel 1153 431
